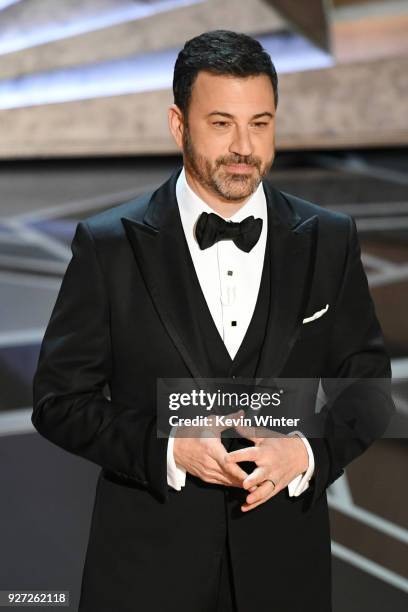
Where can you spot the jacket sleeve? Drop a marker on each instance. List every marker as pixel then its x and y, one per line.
pixel 358 384
pixel 70 407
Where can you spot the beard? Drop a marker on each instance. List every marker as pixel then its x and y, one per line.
pixel 216 178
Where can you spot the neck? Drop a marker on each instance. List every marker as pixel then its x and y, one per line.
pixel 223 207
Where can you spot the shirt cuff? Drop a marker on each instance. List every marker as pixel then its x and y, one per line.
pixel 176 476
pixel 299 484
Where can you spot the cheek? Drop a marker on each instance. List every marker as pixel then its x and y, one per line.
pixel 266 142
pixel 207 145
pixel 267 153
pixel 214 156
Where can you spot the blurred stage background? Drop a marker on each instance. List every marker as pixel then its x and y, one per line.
pixel 84 91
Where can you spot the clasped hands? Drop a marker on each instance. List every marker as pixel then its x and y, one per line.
pixel 278 459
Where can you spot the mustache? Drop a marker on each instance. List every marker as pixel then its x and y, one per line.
pixel 247 162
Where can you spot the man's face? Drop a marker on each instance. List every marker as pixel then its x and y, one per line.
pixel 229 136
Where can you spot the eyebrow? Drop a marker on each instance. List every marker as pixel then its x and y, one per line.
pixel 232 116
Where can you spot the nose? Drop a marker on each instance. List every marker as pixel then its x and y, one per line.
pixel 241 144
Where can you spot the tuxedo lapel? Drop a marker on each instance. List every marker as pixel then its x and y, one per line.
pixel 162 255
pixel 292 252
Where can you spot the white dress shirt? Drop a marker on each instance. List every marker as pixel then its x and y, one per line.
pixel 230 281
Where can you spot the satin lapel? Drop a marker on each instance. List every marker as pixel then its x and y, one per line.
pixel 292 252
pixel 161 253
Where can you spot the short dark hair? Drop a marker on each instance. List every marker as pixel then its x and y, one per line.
pixel 221 52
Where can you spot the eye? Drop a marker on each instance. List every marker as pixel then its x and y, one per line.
pixel 260 123
pixel 220 123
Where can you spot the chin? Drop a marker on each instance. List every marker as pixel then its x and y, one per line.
pixel 242 188
pixel 237 195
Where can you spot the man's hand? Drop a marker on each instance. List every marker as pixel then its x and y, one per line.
pixel 279 459
pixel 205 456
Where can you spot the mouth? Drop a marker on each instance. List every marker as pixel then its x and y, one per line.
pixel 239 168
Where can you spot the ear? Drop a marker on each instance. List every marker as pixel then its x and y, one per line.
pixel 176 124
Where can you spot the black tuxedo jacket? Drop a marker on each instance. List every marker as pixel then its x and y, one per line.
pixel 122 320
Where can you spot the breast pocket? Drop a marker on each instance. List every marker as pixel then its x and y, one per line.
pixel 320 325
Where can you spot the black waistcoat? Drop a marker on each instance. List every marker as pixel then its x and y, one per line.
pixel 245 362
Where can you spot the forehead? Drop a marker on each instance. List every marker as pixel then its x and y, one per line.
pixel 228 93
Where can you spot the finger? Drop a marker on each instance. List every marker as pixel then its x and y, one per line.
pixel 230 470
pixel 260 496
pixel 233 468
pixel 234 471
pixel 257 477
pixel 262 491
pixel 250 453
pixel 213 474
pixel 237 475
pixel 235 483
pixel 246 432
pixel 247 507
pixel 255 434
pixel 230 479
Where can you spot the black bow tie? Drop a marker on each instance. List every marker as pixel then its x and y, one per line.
pixel 211 228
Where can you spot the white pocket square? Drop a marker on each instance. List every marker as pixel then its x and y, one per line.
pixel 317 314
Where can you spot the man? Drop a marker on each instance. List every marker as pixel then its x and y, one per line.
pixel 164 287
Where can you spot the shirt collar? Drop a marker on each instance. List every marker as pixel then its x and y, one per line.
pixel 191 205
